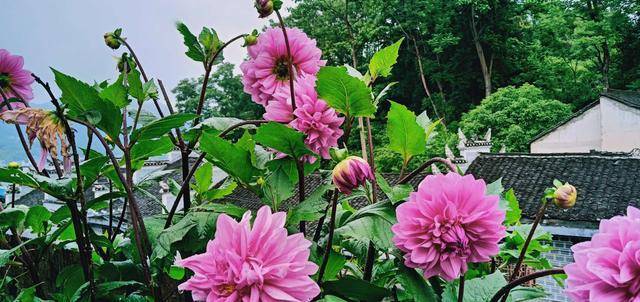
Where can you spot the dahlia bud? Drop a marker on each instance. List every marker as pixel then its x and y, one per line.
pixel 112 39
pixel 264 7
pixel 130 64
pixel 565 196
pixel 351 173
pixel 251 39
pixel 13 165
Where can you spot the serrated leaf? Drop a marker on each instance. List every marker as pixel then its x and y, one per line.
pixel 282 138
pixel 203 177
pixel 116 93
pixel 135 85
pixel 161 126
pixel 81 99
pixel 151 147
pixel 406 136
pixel 382 61
pixel 229 157
pixel 346 94
pixel 36 218
pixel 194 49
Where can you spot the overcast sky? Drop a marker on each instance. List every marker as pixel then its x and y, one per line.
pixel 68 35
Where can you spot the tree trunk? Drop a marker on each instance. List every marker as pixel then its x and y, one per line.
pixel 486 69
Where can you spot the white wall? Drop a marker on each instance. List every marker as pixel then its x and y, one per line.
pixel 620 126
pixel 581 134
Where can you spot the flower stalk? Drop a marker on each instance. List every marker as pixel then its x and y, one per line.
pixel 78 216
pixel 507 288
pixel 523 252
pixel 332 226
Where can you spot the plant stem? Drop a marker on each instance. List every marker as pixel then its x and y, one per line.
pixel 170 107
pixel 414 173
pixel 507 288
pixel 318 232
pixel 144 75
pixel 78 216
pixel 301 190
pixel 371 250
pixel 332 225
pixel 23 141
pixel 207 71
pixel 87 155
pixel 289 60
pixel 135 220
pixel 461 289
pixel 13 195
pixel 523 252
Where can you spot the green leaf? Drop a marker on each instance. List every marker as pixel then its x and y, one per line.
pixel 152 147
pixel 169 236
pixel 426 123
pixel 14 216
pixel 161 126
pixel 509 203
pixel 91 168
pixel 335 262
pixel 209 40
pixel 105 289
pixel 414 286
pixel 194 49
pixel 84 101
pixel 204 178
pixel 383 60
pixel 311 209
pixel 356 289
pixel 476 290
pixel 228 157
pixel 346 94
pixel 279 185
pixel 116 93
pixel 282 138
pixel 372 228
pixel 396 193
pixel 36 218
pixel 59 188
pixel 495 188
pixel 406 136
pixel 135 85
pixel 227 189
pixel 176 272
pixel 5 255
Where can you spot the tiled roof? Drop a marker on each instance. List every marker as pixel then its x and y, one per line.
pixel 606 182
pixel 627 97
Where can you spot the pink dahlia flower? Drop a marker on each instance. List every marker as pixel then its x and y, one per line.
pixel 259 263
pixel 317 120
pixel 14 81
pixel 351 173
pixel 447 223
pixel 607 268
pixel 267 69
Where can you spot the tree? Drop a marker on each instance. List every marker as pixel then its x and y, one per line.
pixel 515 116
pixel 224 97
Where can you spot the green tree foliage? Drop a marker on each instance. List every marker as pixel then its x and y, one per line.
pixel 224 97
pixel 570 49
pixel 515 115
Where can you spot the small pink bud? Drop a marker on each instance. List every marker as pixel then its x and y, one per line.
pixel 565 196
pixel 351 173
